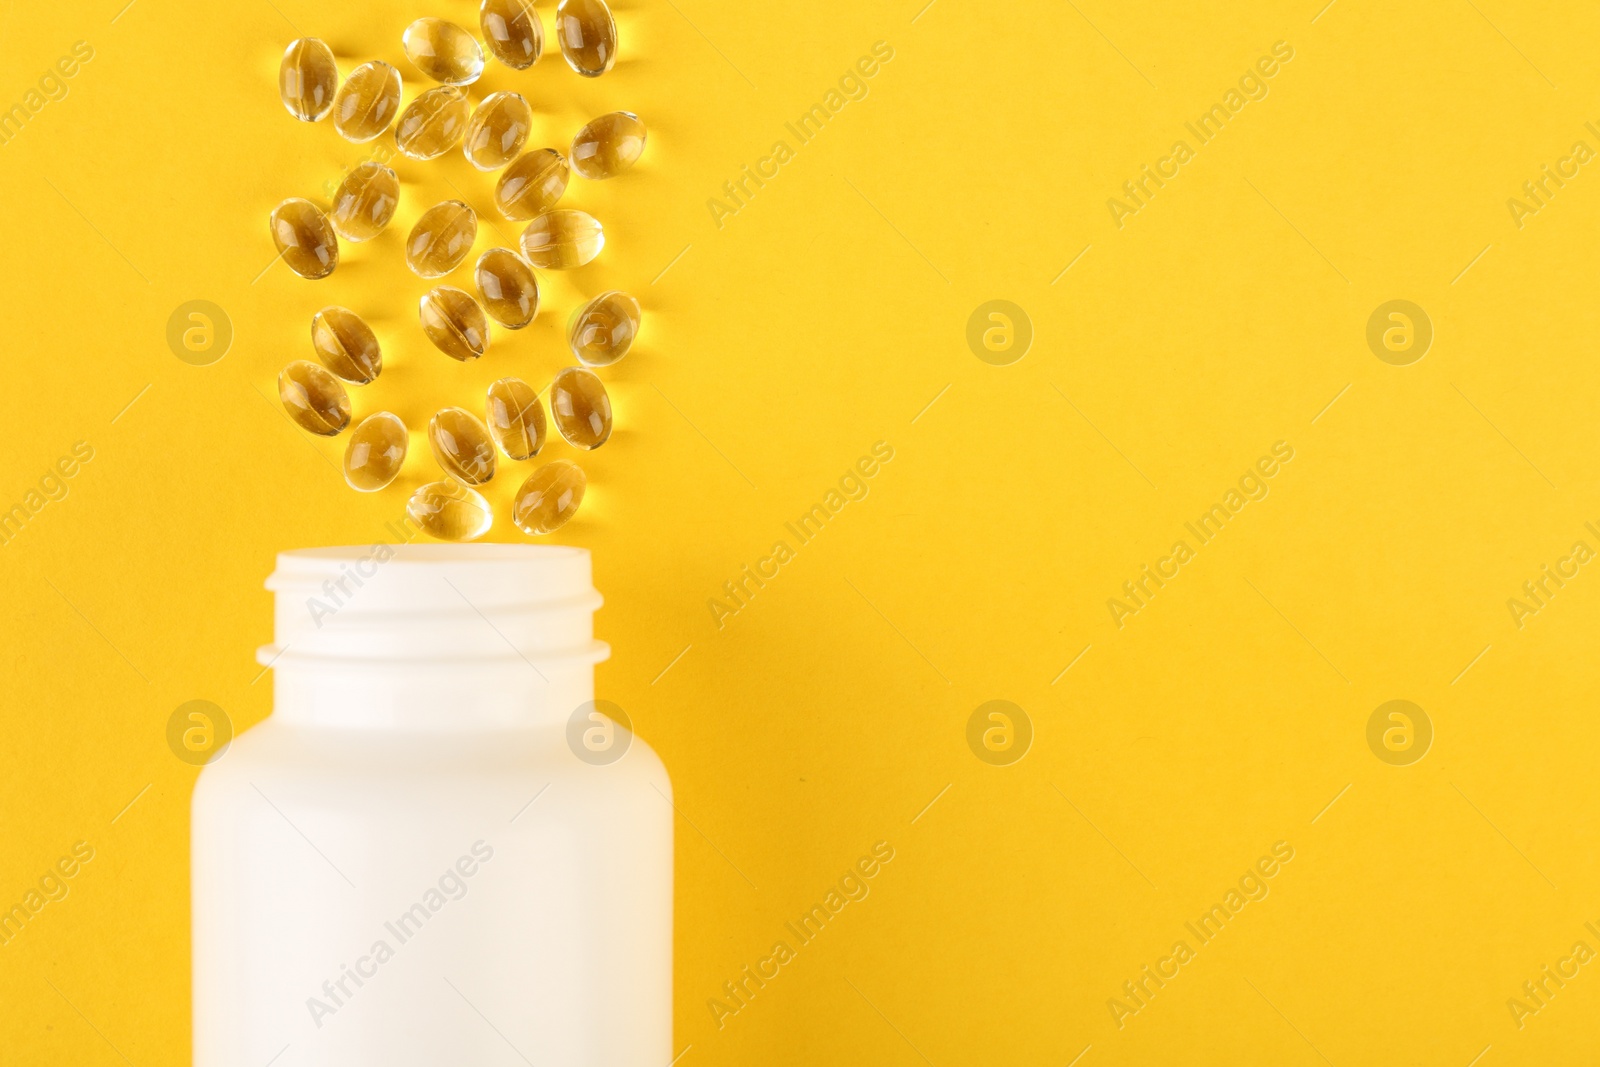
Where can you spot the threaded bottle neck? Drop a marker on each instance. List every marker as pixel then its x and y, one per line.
pixel 432 636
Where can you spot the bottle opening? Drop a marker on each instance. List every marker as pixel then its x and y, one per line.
pixel 433 604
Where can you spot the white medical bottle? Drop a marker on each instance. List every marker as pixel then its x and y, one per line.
pixel 437 849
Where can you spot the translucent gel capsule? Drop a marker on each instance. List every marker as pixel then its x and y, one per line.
pixel 365 201
pixel 516 418
pixel 608 146
pixel 603 330
pixel 454 323
pixel 314 398
pixel 588 36
pixel 533 183
pixel 346 345
pixel 443 51
pixel 510 291
pixel 307 78
pixel 432 124
pixel 367 101
pixel 497 130
pixel 462 445
pixel 562 239
pixel 376 452
pixel 580 407
pixel 441 239
pixel 305 238
pixel 549 498
pixel 450 511
pixel 511 29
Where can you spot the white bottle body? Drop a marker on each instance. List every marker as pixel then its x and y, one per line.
pixel 397 880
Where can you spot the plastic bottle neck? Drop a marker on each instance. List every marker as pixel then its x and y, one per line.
pixel 433 637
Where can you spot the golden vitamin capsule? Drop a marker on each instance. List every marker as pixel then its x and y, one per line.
pixel 454 323
pixel 307 78
pixel 588 36
pixel 497 130
pixel 608 146
pixel 367 101
pixel 441 239
pixel 580 407
pixel 512 30
pixel 450 511
pixel 314 398
pixel 549 498
pixel 304 237
pixel 533 183
pixel 443 51
pixel 376 452
pixel 510 291
pixel 516 418
pixel 432 124
pixel 562 239
pixel 365 201
pixel 461 445
pixel 346 345
pixel 603 330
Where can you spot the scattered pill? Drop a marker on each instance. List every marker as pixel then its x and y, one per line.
pixel 608 146
pixel 441 239
pixel 346 345
pixel 531 184
pixel 307 78
pixel 367 101
pixel 509 289
pixel 305 238
pixel 454 323
pixel 497 130
pixel 603 330
pixel 580 408
pixel 562 239
pixel 588 36
pixel 314 398
pixel 516 418
pixel 600 333
pixel 443 51
pixel 450 511
pixel 462 445
pixel 433 123
pixel 376 452
pixel 365 201
pixel 549 498
pixel 512 30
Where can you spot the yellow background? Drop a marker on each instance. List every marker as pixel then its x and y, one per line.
pixel 823 317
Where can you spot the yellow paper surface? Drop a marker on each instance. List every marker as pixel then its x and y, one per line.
pixel 804 307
